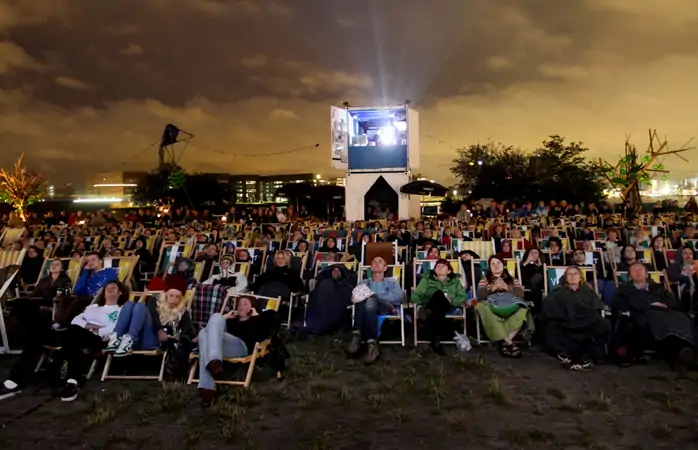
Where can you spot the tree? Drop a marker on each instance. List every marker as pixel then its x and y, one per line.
pixel 20 188
pixel 555 171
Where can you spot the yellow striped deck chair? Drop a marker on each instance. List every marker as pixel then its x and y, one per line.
pixel 658 277
pixel 260 350
pixel 148 296
pixel 10 236
pixel 484 249
pixel 170 253
pixel 124 266
pixel 11 257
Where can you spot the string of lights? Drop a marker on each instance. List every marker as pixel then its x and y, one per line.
pixel 253 155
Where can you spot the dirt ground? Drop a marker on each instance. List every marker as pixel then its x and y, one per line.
pixel 410 399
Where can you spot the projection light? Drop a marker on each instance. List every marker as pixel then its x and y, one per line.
pixel 400 126
pixel 388 135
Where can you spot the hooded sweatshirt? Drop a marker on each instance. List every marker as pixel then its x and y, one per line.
pixel 102 316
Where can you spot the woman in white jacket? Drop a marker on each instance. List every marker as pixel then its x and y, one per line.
pixel 236 281
pixel 90 331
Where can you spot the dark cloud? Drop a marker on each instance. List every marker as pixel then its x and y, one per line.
pixel 93 82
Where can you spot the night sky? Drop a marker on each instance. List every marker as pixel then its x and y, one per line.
pixel 87 85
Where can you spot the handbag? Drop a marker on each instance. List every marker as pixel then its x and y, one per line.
pixel 505 304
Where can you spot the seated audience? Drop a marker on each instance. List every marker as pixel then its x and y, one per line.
pixel 232 335
pixel 438 293
pixel 387 297
pixel 228 276
pixel 651 320
pixel 571 319
pixel 501 329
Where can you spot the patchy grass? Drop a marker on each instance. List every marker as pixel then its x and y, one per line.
pixel 409 399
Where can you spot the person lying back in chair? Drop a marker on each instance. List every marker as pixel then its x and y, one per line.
pixel 232 335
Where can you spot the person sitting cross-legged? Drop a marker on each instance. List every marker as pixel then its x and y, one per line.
pixel 232 335
pixel 438 292
pixel 387 297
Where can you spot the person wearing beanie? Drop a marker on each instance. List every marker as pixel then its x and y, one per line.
pixel 228 276
pixel 144 325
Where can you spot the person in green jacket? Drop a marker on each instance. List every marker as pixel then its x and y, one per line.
pixel 438 293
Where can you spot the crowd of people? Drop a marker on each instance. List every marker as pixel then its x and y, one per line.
pixel 588 284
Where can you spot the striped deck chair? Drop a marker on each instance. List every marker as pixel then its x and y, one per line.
pixel 10 235
pixel 260 350
pixel 422 267
pixel 11 257
pixel 169 254
pixel 396 271
pixel 144 297
pixel 484 249
pixel 5 347
pixel 124 266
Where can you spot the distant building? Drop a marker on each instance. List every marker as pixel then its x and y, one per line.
pixel 115 185
pixel 262 189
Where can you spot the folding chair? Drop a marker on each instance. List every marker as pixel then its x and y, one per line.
pixel 396 271
pixel 5 348
pixel 145 297
pixel 260 350
pixel 422 267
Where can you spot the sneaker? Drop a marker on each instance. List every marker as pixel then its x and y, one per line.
pixel 373 352
pixel 70 391
pixel 581 366
pixel 9 389
pixel 354 346
pixel 563 359
pixel 125 346
pixel 114 343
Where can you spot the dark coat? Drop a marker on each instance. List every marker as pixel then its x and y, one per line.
pixel 327 303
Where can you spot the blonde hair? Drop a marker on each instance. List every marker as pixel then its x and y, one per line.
pixel 169 313
pixel 285 255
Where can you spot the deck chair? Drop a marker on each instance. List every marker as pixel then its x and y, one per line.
pixel 261 349
pixel 421 268
pixel 124 266
pixel 396 271
pixel 158 353
pixel 5 347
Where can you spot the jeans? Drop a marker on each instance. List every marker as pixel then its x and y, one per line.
pixel 216 344
pixel 366 316
pixel 135 320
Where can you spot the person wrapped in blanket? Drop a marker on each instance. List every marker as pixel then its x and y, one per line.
pixel 373 297
pixel 574 329
pixel 650 318
pixel 162 322
pixel 236 281
pixel 234 335
pixel 438 293
pixel 88 331
pixel 502 325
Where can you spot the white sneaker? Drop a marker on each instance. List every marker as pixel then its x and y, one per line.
pixel 125 346
pixel 114 343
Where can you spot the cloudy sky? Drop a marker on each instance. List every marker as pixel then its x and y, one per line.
pixel 88 85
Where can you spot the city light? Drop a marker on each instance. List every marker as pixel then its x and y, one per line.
pixel 317 177
pixel 99 200
pixel 116 185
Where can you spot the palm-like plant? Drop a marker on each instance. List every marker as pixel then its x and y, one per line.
pixel 20 188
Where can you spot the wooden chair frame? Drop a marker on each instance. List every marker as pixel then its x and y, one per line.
pixel 455 264
pixel 260 350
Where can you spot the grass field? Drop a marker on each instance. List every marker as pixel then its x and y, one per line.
pixel 409 399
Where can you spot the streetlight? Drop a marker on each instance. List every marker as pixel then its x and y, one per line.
pixel 479 163
pixel 455 192
pixel 318 176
